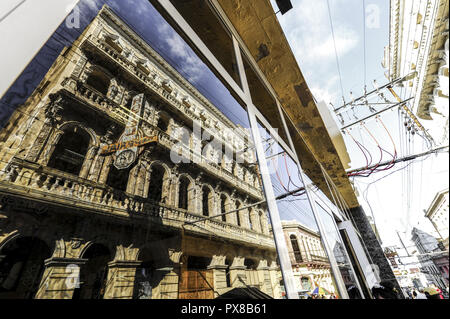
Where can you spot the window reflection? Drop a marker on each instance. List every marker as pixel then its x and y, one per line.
pixel 339 253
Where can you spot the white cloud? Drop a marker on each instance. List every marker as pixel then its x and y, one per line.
pixel 191 64
pixel 307 28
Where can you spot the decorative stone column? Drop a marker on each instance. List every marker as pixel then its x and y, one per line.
pixel 219 269
pixel 168 286
pixel 264 276
pixel 254 217
pixel 121 278
pixel 265 223
pixel 122 273
pixel 60 279
pixel 89 161
pixel 244 215
pixel 237 272
pixel 275 277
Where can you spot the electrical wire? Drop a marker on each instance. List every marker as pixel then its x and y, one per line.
pixel 335 49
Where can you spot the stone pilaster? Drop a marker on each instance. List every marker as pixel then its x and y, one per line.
pixel 121 279
pixel 219 269
pixel 168 286
pixel 60 279
pixel 265 224
pixel 275 277
pixel 238 276
pixel 264 276
pixel 254 217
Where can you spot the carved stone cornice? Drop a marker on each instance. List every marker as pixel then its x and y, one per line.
pixel 107 14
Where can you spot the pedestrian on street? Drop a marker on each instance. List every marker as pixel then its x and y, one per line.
pixel 384 290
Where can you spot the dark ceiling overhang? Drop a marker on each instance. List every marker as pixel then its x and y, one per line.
pixel 257 25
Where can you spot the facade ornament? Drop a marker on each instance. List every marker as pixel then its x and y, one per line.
pixel 54 108
pixel 167 85
pixel 125 158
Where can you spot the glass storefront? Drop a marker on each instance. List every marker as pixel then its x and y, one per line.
pixel 337 250
pixel 126 123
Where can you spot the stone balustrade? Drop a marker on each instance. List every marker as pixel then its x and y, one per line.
pixel 61 188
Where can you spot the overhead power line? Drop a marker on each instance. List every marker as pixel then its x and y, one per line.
pixel 335 50
pixel 403 159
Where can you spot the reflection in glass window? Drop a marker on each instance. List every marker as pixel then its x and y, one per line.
pixel 339 253
pixel 200 16
pixel 285 177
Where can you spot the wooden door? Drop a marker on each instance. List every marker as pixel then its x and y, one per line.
pixel 196 284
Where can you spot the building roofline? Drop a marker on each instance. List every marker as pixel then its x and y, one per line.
pixel 436 200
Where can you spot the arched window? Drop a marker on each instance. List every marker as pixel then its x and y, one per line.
pixel 296 249
pixel 118 178
pixel 183 193
pixel 129 101
pixel 70 151
pixel 99 81
pixel 223 208
pixel 238 218
pixel 206 199
pixel 155 191
pixel 249 216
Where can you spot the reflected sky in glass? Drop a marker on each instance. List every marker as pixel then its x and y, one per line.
pixel 145 20
pixel 285 178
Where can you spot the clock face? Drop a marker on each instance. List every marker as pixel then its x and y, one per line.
pixel 125 159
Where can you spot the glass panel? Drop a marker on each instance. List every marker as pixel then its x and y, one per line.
pixel 206 24
pixel 356 266
pixel 263 100
pixel 337 247
pixel 111 128
pixel 307 254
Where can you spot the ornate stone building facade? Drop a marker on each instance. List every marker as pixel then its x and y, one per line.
pixel 310 263
pixel 94 202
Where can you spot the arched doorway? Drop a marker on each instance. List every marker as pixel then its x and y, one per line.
pixel 94 273
pixel 21 267
pixel 145 276
pixel 118 178
pixel 155 192
pixel 183 193
pixel 207 198
pixel 70 151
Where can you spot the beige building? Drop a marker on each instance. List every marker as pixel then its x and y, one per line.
pixel 309 261
pixel 418 48
pixel 437 213
pixel 93 204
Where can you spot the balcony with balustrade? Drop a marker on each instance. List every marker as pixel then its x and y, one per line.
pixel 25 179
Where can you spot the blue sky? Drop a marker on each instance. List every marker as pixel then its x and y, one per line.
pixel 148 23
pixel 308 30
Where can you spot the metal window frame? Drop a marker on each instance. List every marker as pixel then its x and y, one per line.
pixel 255 115
pixel 317 200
